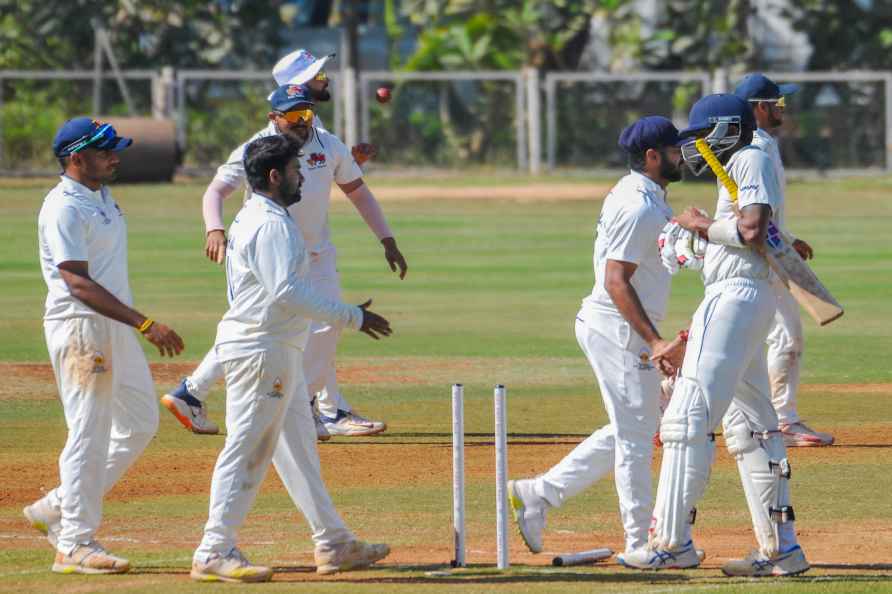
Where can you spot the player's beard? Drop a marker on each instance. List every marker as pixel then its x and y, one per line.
pixel 289 194
pixel 320 95
pixel 775 122
pixel 669 170
pixel 299 134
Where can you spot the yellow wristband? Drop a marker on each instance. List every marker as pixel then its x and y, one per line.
pixel 145 325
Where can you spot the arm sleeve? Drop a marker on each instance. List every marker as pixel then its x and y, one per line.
pixel 212 205
pixel 65 236
pixel 276 253
pixel 368 207
pixel 346 169
pixel 633 235
pixel 756 180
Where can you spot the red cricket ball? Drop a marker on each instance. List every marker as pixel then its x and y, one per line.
pixel 382 94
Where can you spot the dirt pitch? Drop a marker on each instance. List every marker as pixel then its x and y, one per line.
pixel 424 464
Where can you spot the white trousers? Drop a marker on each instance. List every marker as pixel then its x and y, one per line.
pixel 111 411
pixel 268 418
pixel 785 347
pixel 319 356
pixel 630 389
pixel 725 357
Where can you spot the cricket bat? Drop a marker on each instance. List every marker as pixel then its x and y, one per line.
pixel 795 273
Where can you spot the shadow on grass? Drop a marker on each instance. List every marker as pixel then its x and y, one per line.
pixel 513 439
pixel 486 574
pixel 855 566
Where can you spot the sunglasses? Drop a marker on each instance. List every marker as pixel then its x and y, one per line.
pixel 321 76
pixel 103 134
pixel 297 115
pixel 780 101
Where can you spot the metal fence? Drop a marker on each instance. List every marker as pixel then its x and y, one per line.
pixel 585 112
pixel 838 121
pixel 447 117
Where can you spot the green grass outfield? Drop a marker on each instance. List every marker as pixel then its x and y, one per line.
pixel 491 295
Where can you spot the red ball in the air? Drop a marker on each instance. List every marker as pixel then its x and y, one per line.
pixel 382 94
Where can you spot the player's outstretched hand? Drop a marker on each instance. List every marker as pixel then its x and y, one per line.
pixel 215 246
pixel 364 151
pixel 668 356
pixel 373 324
pixel 693 219
pixel 803 249
pixel 168 342
pixel 394 257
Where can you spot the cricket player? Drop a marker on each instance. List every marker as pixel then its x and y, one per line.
pixel 724 376
pixel 101 371
pixel 260 343
pixel 325 160
pixel 616 329
pixel 785 340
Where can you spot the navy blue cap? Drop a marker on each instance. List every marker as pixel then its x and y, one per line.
pixel 287 97
pixel 80 133
pixel 711 109
pixel 650 132
pixel 757 86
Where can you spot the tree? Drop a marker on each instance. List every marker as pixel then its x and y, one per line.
pixel 846 34
pixel 35 34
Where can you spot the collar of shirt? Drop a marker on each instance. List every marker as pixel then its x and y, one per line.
pixel 71 186
pixel 765 135
pixel 649 185
pixel 270 204
pixel 734 157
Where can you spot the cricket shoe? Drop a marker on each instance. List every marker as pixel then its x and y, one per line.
pixel 800 435
pixel 322 433
pixel 353 554
pixel 351 424
pixel 189 411
pixel 792 562
pixel 529 513
pixel 656 559
pixel 90 558
pixel 229 568
pixel 45 518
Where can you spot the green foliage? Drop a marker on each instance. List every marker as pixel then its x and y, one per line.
pixel 541 33
pixel 844 34
pixel 30 122
pixel 697 34
pixel 144 34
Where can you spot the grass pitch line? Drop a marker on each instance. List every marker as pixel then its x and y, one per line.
pixel 136 567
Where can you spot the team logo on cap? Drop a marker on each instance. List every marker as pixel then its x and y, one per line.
pixel 293 91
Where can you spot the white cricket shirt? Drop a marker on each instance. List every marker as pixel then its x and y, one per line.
pixel 78 224
pixel 325 160
pixel 751 169
pixel 270 297
pixel 632 217
pixel 768 143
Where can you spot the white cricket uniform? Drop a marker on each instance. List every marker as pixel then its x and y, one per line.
pixel 326 160
pixel 724 371
pixel 259 345
pixel 631 219
pixel 785 339
pixel 101 371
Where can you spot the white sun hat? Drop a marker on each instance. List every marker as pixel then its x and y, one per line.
pixel 298 67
